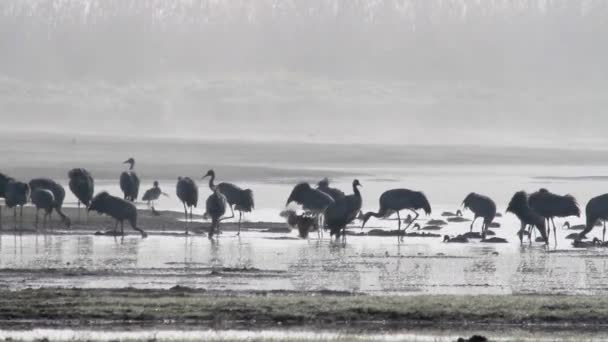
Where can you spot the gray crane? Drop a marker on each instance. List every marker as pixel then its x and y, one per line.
pixel 57 190
pixel 334 193
pixel 4 179
pixel 343 211
pixel 596 210
pixel 550 205
pixel 395 200
pixel 304 224
pixel 117 208
pixel 237 198
pixel 481 206
pixel 187 192
pixel 520 207
pixel 216 208
pixel 314 201
pixel 16 195
pixel 44 199
pixel 82 186
pixel 129 182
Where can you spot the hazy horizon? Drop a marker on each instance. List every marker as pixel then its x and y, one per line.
pixel 404 72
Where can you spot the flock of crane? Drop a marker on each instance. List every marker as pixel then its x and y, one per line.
pixel 324 207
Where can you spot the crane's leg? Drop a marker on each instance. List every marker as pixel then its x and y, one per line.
pixel 473 222
pixel 116 228
pixel 36 222
pixel 521 232
pixel 554 231
pixel 186 217
pixel 412 221
pixel 398 227
pixel 122 228
pixel 240 218
pixel 44 221
pixel 78 211
pixel 15 216
pixel 21 216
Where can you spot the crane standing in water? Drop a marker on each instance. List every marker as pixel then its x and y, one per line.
pixel 481 206
pixel 315 202
pixel 395 200
pixel 187 192
pixel 237 198
pixel 4 179
pixel 215 206
pixel 550 205
pixel 119 209
pixel 596 210
pixel 343 211
pixel 82 186
pixel 129 182
pixel 16 195
pixel 527 216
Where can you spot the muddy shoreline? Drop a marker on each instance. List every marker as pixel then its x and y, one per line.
pixel 169 222
pixel 186 307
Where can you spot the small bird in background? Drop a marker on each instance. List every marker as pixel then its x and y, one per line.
pixel 152 195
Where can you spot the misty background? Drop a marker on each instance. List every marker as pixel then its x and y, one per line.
pixel 503 72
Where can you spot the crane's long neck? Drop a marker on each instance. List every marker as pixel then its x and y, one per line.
pixel 212 182
pixel 356 191
pixel 380 214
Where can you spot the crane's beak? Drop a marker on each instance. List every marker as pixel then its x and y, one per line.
pixel 126 162
pixel 205 176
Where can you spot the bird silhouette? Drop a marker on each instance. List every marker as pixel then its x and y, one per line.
pixel 152 195
pixel 456 239
pixel 82 186
pixel 343 211
pixel 550 205
pixel 399 199
pixel 520 207
pixel 313 201
pixel 596 210
pixel 44 199
pixel 129 182
pixel 237 198
pixel 304 224
pixel 4 179
pixel 334 193
pixel 16 195
pixel 187 192
pixel 117 208
pixel 58 194
pixel 215 206
pixel 482 206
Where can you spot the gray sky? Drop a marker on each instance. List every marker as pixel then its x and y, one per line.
pixel 394 71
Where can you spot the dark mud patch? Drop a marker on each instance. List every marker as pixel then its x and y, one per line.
pixel 183 306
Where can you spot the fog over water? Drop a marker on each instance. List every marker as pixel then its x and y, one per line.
pixel 498 72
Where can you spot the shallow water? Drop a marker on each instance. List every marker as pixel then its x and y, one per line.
pixel 271 261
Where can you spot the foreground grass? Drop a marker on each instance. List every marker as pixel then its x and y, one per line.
pixel 78 307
